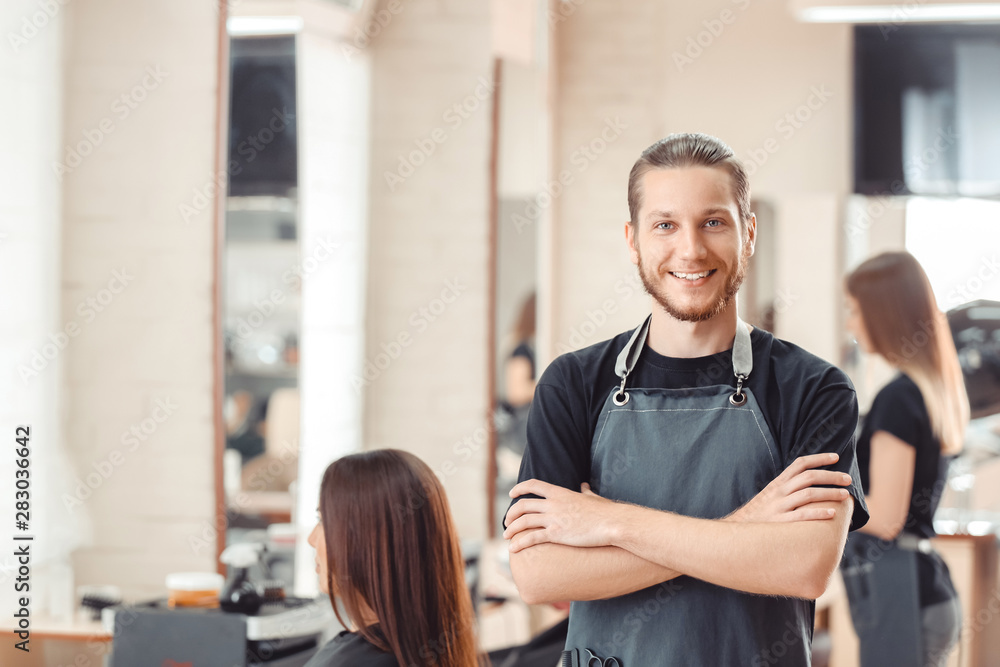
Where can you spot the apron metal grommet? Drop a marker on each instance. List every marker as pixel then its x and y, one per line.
pixel 621 393
pixel 740 397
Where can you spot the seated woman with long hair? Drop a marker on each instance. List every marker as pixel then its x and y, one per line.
pixel 386 547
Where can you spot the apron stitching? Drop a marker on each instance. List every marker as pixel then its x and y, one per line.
pixel 599 436
pixel 752 414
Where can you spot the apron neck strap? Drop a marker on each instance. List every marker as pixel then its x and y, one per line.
pixel 630 353
pixel 742 350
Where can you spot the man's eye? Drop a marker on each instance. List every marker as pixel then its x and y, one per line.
pixel 664 225
pixel 714 223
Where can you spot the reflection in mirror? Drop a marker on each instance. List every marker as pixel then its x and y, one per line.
pixel 759 300
pixel 520 175
pixel 516 377
pixel 262 294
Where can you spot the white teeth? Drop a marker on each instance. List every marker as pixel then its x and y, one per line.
pixel 691 276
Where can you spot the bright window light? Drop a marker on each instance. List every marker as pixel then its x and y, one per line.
pixel 957 241
pixel 241 26
pixel 901 13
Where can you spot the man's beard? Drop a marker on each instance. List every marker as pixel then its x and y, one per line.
pixel 733 282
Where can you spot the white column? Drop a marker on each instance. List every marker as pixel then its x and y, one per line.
pixel 333 102
pixel 32 342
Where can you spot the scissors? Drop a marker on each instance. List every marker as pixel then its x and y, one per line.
pixel 594 661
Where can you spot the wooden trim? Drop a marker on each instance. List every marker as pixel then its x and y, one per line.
pixel 218 245
pixel 491 302
pixel 64 635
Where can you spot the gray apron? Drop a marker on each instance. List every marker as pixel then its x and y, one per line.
pixel 882 590
pixel 701 452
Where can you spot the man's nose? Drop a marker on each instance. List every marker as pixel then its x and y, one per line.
pixel 691 244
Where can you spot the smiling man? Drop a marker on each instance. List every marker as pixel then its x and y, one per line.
pixel 680 482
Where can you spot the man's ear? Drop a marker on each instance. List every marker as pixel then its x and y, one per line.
pixel 631 241
pixel 752 232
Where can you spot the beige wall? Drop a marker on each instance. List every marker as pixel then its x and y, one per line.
pixel 151 342
pixel 428 245
pixel 626 61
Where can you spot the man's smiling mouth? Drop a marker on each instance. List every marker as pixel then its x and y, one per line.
pixel 692 276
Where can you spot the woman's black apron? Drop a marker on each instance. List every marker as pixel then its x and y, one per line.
pixel 883 592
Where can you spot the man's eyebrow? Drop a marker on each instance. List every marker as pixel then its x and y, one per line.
pixel 717 210
pixel 713 210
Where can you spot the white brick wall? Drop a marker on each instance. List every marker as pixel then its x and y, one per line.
pixel 153 340
pixel 430 230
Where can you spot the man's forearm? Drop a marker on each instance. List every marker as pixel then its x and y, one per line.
pixel 557 573
pixel 794 559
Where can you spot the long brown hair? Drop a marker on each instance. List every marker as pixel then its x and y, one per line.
pixel 391 547
pixel 524 328
pixel 906 327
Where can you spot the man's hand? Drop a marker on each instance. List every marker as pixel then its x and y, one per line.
pixel 792 494
pixel 562 516
pixel 585 519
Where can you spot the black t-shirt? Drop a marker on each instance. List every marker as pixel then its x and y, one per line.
pixel 899 410
pixel 808 404
pixel 349 649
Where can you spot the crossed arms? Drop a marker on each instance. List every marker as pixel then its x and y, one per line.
pixel 568 545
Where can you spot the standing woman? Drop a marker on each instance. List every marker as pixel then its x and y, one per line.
pixel 903 603
pixel 387 548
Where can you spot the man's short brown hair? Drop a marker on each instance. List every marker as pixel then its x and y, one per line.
pixel 689 150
